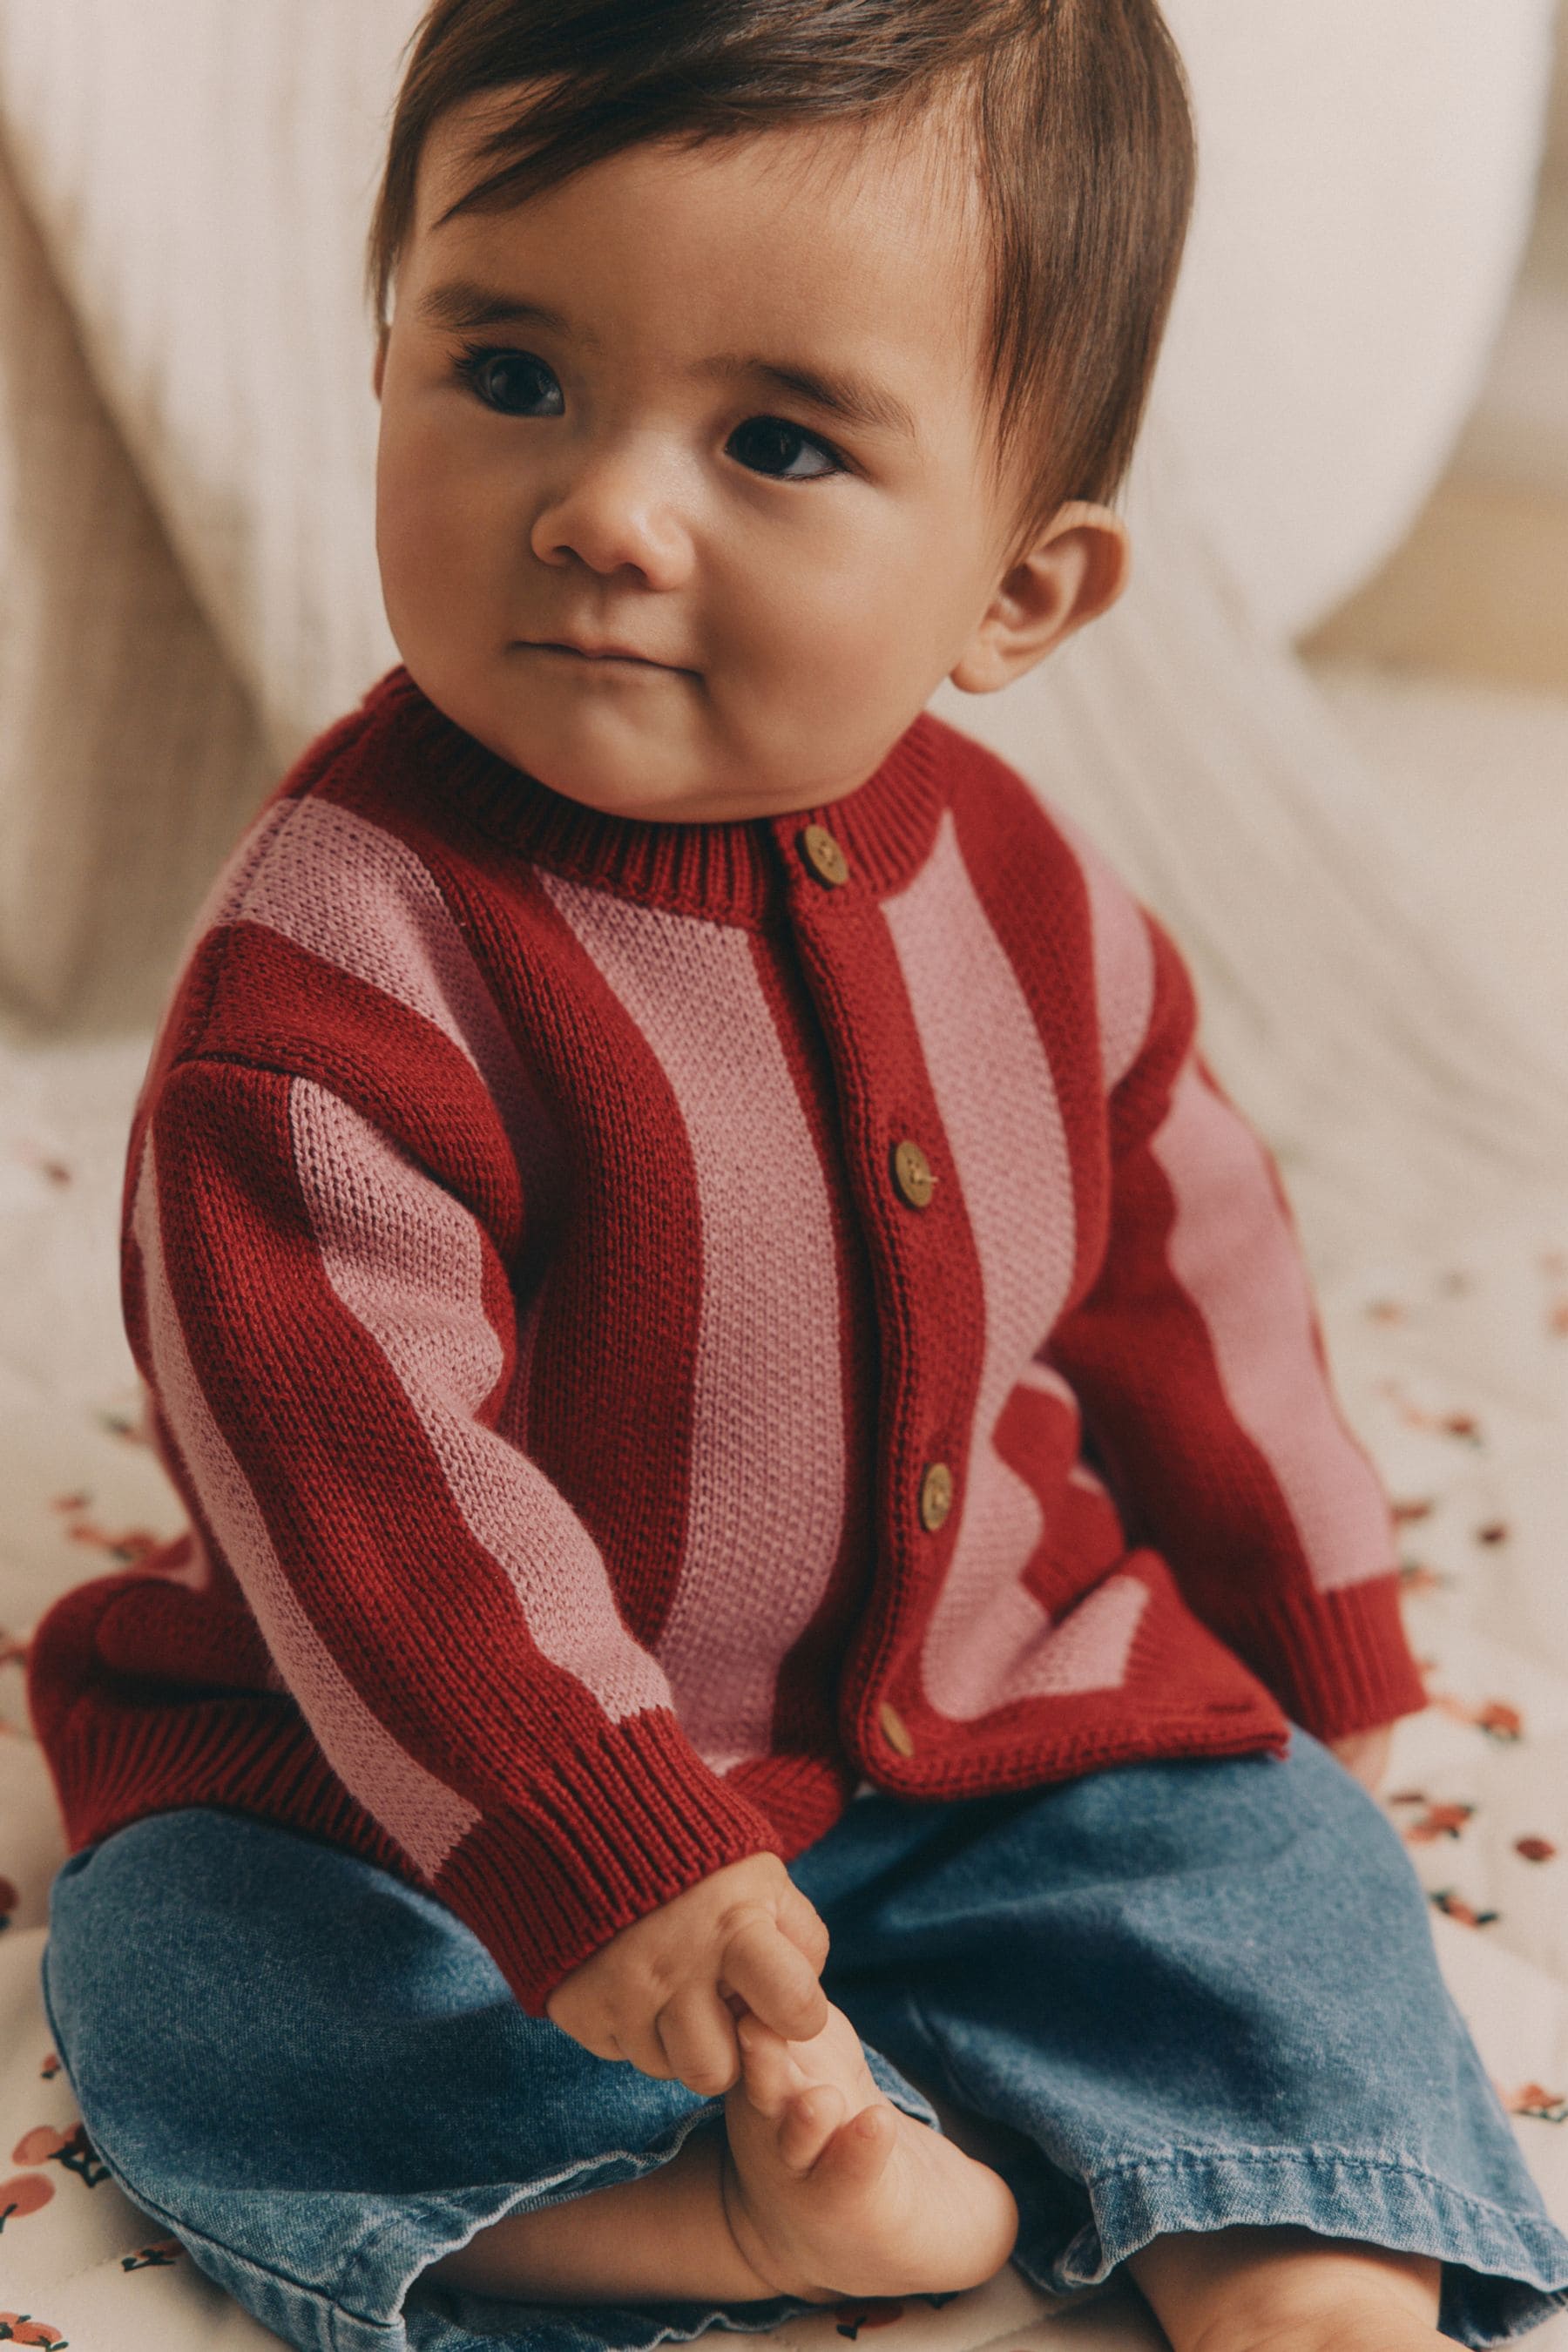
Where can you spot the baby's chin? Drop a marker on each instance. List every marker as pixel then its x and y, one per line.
pixel 624 761
pixel 691 796
pixel 698 805
pixel 614 787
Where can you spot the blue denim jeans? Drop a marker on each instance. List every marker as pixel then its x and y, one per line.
pixel 1201 1994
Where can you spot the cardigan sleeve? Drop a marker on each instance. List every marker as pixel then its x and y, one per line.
pixel 1197 1360
pixel 329 1335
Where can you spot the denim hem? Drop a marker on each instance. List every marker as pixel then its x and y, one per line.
pixel 427 2228
pixel 1505 2268
pixel 391 2257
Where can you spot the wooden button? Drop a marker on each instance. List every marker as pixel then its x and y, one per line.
pixel 824 856
pixel 911 1174
pixel 936 1496
pixel 894 1730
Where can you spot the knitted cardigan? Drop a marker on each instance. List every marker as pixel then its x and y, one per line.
pixel 653 1325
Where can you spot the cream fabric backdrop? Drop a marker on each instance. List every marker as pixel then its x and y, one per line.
pixel 190 582
pixel 1368 176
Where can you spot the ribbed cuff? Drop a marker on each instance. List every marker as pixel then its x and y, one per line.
pixel 626 1825
pixel 1337 1661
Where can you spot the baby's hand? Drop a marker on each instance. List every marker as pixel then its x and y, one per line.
pixel 1365 1753
pixel 667 1990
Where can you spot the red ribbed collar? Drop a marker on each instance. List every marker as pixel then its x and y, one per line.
pixel 728 869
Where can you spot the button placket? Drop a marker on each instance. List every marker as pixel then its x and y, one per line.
pixel 837 962
pixel 915 1181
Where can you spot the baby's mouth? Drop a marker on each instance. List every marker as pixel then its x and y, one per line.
pixel 610 661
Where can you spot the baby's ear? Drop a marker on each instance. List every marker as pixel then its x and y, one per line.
pixel 1076 570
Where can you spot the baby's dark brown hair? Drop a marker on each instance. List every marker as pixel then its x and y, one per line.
pixel 1076 111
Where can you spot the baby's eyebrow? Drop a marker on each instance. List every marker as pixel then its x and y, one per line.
pixel 462 303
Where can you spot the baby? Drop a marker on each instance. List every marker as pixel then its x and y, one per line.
pixel 769 1539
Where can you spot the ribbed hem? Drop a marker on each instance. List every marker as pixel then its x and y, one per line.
pixel 1338 1662
pixel 735 871
pixel 542 1888
pixel 1506 2269
pixel 636 1820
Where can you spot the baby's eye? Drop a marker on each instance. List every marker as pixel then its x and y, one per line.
pixel 777 429
pixel 487 373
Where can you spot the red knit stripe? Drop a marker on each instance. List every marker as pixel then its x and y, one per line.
pixel 768 1437
pixel 1081 1539
pixel 612 1336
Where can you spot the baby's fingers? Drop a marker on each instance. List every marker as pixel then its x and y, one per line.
pixel 697 2035
pixel 775 1979
pixel 803 1924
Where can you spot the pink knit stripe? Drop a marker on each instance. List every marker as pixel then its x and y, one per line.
pixel 405 1257
pixel 989 1640
pixel 425 1816
pixel 767 1484
pixel 1089 1649
pixel 352 894
pixel 1232 1250
pixel 1123 955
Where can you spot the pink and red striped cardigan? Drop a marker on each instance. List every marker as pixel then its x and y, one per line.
pixel 553 1364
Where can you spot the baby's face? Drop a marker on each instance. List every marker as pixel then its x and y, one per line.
pixel 604 458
